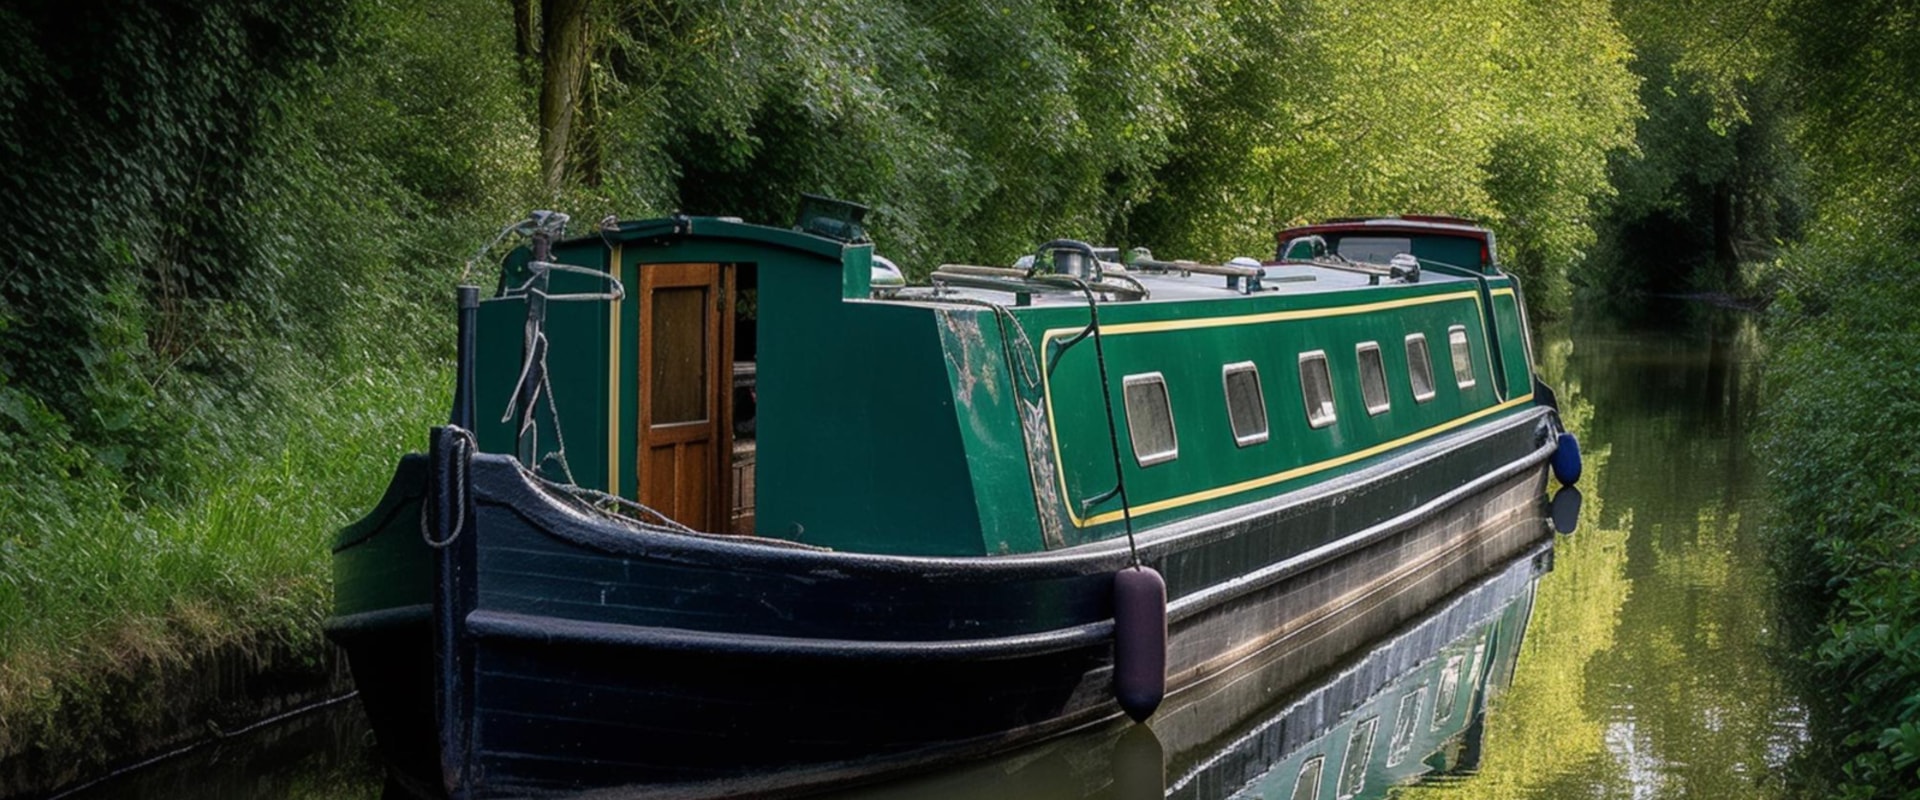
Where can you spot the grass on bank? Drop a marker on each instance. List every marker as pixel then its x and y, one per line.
pixel 245 553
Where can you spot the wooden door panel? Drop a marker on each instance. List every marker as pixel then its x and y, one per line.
pixel 660 481
pixel 696 484
pixel 685 368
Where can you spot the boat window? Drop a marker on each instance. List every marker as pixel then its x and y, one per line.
pixel 1353 767
pixel 1373 378
pixel 678 385
pixel 1307 786
pixel 1449 688
pixel 1406 722
pixel 1462 356
pixel 1246 404
pixel 1419 367
pixel 1317 387
pixel 1372 249
pixel 1150 419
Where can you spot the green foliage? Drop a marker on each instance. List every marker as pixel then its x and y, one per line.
pixel 219 366
pixel 1844 447
pixel 1843 422
pixel 977 130
pixel 1499 110
pixel 1713 183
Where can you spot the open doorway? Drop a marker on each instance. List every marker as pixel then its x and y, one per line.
pixel 746 398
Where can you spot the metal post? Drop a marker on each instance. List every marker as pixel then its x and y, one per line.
pixel 469 305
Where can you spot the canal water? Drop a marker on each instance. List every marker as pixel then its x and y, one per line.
pixel 1637 657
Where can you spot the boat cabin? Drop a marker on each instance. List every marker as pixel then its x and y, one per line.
pixel 787 383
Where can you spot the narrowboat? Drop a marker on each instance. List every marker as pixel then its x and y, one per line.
pixel 725 508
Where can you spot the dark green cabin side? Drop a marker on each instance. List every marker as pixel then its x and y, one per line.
pixel 930 424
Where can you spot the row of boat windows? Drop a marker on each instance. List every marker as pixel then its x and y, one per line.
pixel 1359 749
pixel 1150 409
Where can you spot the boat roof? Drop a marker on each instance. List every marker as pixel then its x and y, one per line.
pixel 1282 278
pixel 726 228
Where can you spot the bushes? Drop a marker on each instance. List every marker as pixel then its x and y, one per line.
pixel 1843 446
pixel 238 228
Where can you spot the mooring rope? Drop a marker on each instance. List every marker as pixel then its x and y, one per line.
pixel 464 446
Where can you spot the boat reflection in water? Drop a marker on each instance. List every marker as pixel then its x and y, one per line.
pixel 1408 707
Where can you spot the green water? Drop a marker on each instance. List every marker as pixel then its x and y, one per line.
pixel 1653 666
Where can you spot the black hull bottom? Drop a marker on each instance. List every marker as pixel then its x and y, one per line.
pixel 592 663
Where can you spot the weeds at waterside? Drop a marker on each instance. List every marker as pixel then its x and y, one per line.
pixel 1843 447
pixel 241 558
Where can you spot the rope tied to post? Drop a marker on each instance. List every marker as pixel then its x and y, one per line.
pixel 458 448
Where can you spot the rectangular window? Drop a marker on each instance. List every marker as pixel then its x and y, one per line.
pixel 1372 249
pixel 1373 379
pixel 678 385
pixel 1449 688
pixel 1353 767
pixel 1406 722
pixel 1307 785
pixel 1419 367
pixel 1150 419
pixel 1246 405
pixel 1317 387
pixel 1462 356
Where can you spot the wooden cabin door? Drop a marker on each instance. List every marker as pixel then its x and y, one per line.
pixel 686 381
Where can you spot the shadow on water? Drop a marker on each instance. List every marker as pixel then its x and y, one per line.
pixel 326 753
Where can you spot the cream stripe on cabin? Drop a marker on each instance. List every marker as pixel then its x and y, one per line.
pixel 613 382
pixel 1060 470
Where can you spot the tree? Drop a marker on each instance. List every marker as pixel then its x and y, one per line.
pixel 564 55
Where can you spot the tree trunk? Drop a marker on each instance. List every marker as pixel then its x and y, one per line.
pixel 563 57
pixel 1724 256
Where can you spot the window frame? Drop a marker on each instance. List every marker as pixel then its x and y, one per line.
pixel 1318 764
pixel 1353 780
pixel 1260 402
pixel 1326 371
pixel 1425 363
pixel 1379 360
pixel 1173 431
pixel 1465 345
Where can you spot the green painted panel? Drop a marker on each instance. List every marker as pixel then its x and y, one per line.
pixel 990 394
pixel 859 445
pixel 1513 345
pixel 1458 251
pixel 577 364
pixel 1212 471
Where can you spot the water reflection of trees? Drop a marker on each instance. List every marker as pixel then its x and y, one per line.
pixel 1649 664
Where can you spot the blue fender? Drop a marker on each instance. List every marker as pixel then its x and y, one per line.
pixel 1566 459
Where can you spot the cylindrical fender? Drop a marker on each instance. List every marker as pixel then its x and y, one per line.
pixel 1566 459
pixel 1139 640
